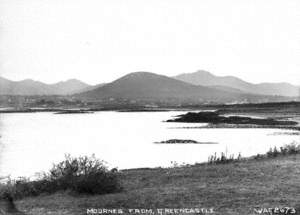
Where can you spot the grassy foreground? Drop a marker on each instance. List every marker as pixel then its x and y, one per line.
pixel 233 188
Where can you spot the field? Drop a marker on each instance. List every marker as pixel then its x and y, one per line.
pixel 234 188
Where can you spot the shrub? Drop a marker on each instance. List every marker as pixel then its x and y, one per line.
pixel 289 149
pixel 86 175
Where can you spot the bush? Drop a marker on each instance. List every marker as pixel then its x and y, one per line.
pixel 290 149
pixel 86 175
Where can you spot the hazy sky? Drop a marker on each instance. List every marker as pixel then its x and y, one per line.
pixel 98 41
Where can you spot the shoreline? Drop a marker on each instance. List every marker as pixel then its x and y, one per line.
pixel 134 110
pixel 239 126
pixel 79 110
pixel 185 186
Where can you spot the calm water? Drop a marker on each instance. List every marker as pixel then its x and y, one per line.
pixel 31 142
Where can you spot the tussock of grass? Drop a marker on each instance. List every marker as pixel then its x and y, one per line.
pixel 223 158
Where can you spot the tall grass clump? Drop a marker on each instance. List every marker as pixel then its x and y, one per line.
pixel 223 158
pixel 289 149
pixel 82 175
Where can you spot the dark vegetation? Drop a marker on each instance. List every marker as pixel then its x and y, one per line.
pixel 82 175
pixel 290 149
pixel 223 158
pixel 216 118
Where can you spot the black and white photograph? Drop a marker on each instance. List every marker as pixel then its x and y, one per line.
pixel 150 107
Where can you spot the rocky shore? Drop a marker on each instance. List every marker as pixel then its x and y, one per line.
pixel 215 118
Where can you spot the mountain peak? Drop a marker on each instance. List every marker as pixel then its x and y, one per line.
pixel 197 73
pixel 73 80
pixel 140 74
pixel 203 72
pixel 28 80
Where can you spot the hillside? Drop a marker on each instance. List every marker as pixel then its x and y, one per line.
pixel 150 86
pixel 205 78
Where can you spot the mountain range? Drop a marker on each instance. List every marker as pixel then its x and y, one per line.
pixel 200 86
pixel 31 87
pixel 205 78
pixel 154 87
